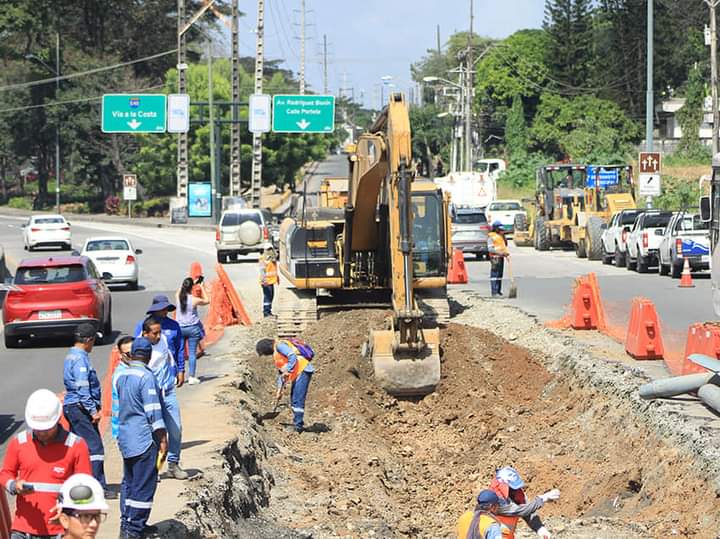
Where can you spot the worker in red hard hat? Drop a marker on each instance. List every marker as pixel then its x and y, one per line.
pixel 508 485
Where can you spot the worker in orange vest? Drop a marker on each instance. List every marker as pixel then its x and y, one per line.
pixel 513 505
pixel 498 251
pixel 268 279
pixel 482 523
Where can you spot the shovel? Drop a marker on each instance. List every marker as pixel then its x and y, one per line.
pixel 274 413
pixel 513 287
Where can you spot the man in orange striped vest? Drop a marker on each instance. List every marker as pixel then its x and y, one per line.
pixel 481 523
pixel 293 367
pixel 268 279
pixel 513 505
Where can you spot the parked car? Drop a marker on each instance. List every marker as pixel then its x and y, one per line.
pixel 240 232
pixel 505 212
pixel 53 295
pixel 686 237
pixel 644 240
pixel 614 237
pixel 46 231
pixel 470 230
pixel 116 256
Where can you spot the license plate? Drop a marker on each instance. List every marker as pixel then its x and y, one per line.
pixel 50 315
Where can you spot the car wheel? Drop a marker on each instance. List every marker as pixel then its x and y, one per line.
pixel 30 248
pixel 221 258
pixel 641 266
pixel 619 259
pixel 133 285
pixel 107 328
pixel 68 246
pixel 663 269
pixel 676 271
pixel 629 262
pixel 11 342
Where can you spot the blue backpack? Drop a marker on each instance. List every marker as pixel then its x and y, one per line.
pixel 304 348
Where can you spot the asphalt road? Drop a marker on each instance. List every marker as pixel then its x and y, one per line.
pixel 167 255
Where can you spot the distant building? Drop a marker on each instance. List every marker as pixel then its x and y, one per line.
pixel 667 127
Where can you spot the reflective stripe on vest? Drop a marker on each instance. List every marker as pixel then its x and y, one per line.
pixel 281 361
pixel 52 488
pixel 71 439
pixel 22 437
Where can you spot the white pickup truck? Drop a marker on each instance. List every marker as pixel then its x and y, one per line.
pixel 614 237
pixel 505 211
pixel 686 236
pixel 644 240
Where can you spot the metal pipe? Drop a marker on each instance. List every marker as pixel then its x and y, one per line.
pixel 710 395
pixel 677 385
pixel 57 127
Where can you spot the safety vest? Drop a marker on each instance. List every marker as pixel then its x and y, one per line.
pixel 465 521
pixel 281 361
pixel 498 242
pixel 271 274
pixel 507 524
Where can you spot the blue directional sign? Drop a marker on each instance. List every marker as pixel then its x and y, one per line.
pixel 604 177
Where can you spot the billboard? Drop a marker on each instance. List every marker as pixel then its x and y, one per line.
pixel 199 199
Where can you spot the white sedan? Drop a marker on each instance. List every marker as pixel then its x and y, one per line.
pixel 116 256
pixel 46 231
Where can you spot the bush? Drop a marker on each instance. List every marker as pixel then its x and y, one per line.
pixel 75 207
pixel 678 194
pixel 152 207
pixel 20 203
pixel 112 205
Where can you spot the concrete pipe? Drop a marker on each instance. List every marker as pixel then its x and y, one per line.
pixel 677 385
pixel 710 395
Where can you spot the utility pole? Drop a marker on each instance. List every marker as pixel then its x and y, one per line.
pixel 257 137
pixel 57 127
pixel 214 187
pixel 182 155
pixel 712 4
pixel 468 95
pixel 439 49
pixel 235 143
pixel 649 97
pixel 302 47
pixel 325 68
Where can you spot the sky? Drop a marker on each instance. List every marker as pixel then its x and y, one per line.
pixel 372 39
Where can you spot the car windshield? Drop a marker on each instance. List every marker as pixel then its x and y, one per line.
pixel 49 221
pixel 235 219
pixel 505 206
pixel 469 218
pixel 628 218
pixel 657 220
pixel 690 223
pixel 107 245
pixel 71 273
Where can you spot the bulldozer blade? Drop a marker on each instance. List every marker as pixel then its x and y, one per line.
pixel 403 372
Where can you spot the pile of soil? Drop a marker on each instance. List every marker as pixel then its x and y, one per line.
pixel 375 466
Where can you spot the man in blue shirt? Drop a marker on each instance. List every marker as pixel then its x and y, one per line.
pixel 83 399
pixel 141 437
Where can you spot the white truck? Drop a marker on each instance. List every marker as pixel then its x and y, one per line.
pixel 644 240
pixel 686 237
pixel 469 189
pixel 505 211
pixel 614 237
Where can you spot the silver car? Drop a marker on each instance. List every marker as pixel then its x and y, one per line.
pixel 240 232
pixel 470 231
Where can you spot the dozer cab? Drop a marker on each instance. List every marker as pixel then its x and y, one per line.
pixel 389 245
pixel 574 204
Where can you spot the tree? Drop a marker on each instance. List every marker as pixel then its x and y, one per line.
pixel 690 117
pixel 568 24
pixel 516 135
pixel 431 136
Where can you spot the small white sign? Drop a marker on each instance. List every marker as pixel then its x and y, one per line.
pixel 650 185
pixel 178 113
pixel 129 193
pixel 259 113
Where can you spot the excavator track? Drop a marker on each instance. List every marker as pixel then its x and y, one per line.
pixel 434 305
pixel 296 309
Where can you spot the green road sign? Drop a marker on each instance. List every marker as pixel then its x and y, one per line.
pixel 303 113
pixel 133 113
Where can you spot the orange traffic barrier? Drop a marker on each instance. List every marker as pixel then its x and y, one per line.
pixel 587 311
pixel 5 516
pixel 237 305
pixel 686 280
pixel 457 273
pixel 702 339
pixel 106 409
pixel 644 340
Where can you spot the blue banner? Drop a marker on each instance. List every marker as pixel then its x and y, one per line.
pixel 199 200
pixel 604 177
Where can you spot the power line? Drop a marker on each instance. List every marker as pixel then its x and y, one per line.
pixel 83 73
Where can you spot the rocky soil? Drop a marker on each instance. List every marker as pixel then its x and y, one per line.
pixel 375 466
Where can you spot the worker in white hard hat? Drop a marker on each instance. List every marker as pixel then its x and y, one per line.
pixel 82 507
pixel 37 462
pixel 509 487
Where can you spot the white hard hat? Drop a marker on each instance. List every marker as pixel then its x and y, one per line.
pixel 510 477
pixel 43 410
pixel 82 492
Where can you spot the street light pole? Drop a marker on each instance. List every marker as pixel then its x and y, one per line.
pixel 712 4
pixel 213 172
pixel 468 95
pixel 57 126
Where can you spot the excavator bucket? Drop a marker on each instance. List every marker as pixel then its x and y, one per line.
pixel 405 372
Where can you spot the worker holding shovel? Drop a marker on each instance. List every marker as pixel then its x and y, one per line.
pixel 498 250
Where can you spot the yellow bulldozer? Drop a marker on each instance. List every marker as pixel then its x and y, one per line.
pixel 574 203
pixel 389 245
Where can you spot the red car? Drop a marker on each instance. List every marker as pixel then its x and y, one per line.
pixel 53 295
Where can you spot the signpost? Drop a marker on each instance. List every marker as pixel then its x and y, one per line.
pixel 259 113
pixel 303 114
pixel 129 190
pixel 649 177
pixel 134 113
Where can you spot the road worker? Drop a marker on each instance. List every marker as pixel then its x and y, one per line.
pixel 268 279
pixel 36 464
pixel 82 507
pixel 513 505
pixel 482 523
pixel 498 251
pixel 293 359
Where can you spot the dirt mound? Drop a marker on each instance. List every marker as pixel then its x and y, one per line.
pixel 382 467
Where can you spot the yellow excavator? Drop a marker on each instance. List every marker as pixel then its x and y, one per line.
pixel 390 244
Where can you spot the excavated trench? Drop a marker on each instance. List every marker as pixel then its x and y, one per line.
pixel 375 466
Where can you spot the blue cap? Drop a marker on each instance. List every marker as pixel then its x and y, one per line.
pixel 141 348
pixel 487 497
pixel 497 224
pixel 160 303
pixel 510 477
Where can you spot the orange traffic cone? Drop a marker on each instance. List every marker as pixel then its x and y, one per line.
pixel 685 278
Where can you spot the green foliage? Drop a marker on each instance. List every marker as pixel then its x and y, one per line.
pixel 521 172
pixel 702 158
pixel 20 203
pixel 568 24
pixel 678 194
pixel 516 133
pixel 431 136
pixel 690 116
